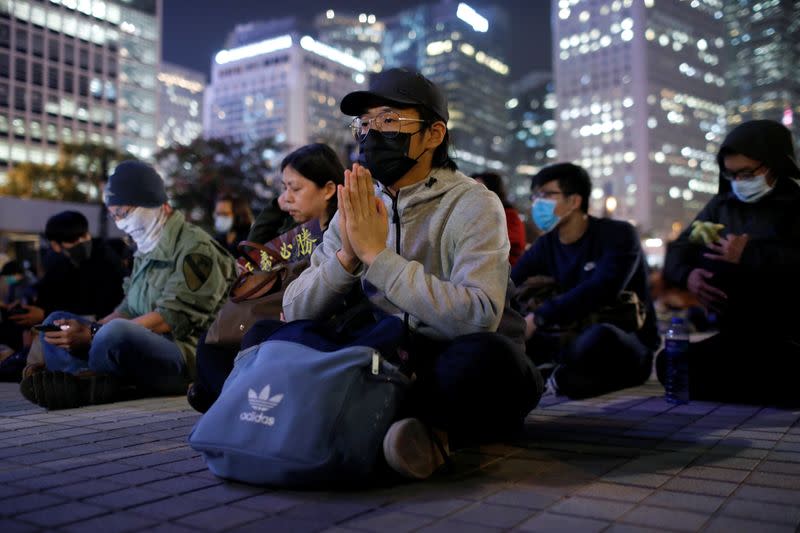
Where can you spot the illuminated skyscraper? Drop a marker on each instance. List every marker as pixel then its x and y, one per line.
pixel 464 52
pixel 764 54
pixel 285 87
pixel 77 72
pixel 180 116
pixel 641 92
pixel 357 35
pixel 532 128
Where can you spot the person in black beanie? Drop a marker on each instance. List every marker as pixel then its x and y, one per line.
pixel 748 273
pixel 180 276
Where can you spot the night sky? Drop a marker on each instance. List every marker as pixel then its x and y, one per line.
pixel 194 30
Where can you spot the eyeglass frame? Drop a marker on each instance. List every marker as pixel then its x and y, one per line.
pixel 115 217
pixel 744 174
pixel 356 124
pixel 545 195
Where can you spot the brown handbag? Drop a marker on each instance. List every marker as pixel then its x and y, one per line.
pixel 257 294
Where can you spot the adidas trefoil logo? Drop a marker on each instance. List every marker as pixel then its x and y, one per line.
pixel 262 401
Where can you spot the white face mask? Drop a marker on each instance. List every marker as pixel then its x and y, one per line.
pixel 144 225
pixel 751 190
pixel 223 224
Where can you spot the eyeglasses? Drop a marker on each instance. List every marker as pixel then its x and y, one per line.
pixel 547 194
pixel 745 174
pixel 388 123
pixel 120 213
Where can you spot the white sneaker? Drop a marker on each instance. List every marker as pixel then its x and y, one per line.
pixel 411 449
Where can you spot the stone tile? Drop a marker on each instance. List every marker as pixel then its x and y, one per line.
pixel 220 518
pixel 435 507
pixel 279 523
pixel 227 493
pixel 15 505
pixel 700 503
pixel 329 512
pixel 615 492
pixel 727 462
pixel 774 480
pixel 630 528
pixel 112 523
pixel 65 513
pixel 122 499
pixel 762 511
pixel 495 516
pixel 726 524
pixel 552 523
pixel 591 508
pixel 179 484
pixel 520 497
pixel 780 467
pixel 448 526
pixel 701 486
pixel 769 494
pixel 715 474
pixel 647 515
pixel 13 526
pixel 389 522
pixel 86 489
pixel 641 480
pixel 172 508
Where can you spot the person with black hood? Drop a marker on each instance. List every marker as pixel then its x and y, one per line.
pixel 748 274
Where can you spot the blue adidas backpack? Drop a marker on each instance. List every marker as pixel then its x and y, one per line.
pixel 301 409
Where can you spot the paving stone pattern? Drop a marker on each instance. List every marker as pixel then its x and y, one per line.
pixel 624 462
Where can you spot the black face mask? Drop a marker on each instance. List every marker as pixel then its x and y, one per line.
pixel 79 253
pixel 386 159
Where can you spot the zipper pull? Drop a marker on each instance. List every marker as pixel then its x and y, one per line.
pixel 376 363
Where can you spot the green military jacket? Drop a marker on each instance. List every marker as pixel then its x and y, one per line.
pixel 185 278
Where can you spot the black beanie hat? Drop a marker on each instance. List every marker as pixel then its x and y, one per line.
pixel 135 183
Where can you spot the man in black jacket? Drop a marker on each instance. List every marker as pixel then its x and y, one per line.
pixel 749 273
pixel 84 276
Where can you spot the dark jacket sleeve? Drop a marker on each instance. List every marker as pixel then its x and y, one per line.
pixel 612 272
pixel 270 223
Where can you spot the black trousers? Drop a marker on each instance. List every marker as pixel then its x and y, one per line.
pixel 601 359
pixel 477 387
pixel 736 367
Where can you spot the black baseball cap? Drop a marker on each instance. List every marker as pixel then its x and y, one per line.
pixel 397 86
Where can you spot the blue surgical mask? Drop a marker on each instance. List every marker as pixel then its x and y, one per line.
pixel 751 190
pixel 543 213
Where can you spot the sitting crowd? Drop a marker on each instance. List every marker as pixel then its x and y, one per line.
pixel 488 325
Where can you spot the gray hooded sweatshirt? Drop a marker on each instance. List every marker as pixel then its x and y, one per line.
pixel 445 263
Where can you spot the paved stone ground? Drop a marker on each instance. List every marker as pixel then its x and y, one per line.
pixel 625 462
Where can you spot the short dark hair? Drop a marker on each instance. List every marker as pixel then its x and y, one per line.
pixel 572 179
pixel 320 164
pixel 67 226
pixel 441 156
pixel 494 182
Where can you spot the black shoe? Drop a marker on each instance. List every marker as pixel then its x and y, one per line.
pixel 199 398
pixel 57 390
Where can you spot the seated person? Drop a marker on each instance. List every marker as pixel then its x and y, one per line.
pixel 16 288
pixel 232 221
pixel 592 261
pixel 514 224
pixel 180 276
pixel 429 245
pixel 745 273
pixel 85 275
pixel 310 177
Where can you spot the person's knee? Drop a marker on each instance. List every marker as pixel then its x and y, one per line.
pixel 117 331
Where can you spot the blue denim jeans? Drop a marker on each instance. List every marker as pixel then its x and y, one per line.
pixel 125 349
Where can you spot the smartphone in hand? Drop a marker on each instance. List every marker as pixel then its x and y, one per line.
pixel 45 328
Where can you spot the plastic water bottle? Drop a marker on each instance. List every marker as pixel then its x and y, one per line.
pixel 676 350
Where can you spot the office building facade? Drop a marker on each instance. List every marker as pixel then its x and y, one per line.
pixel 641 97
pixel 77 72
pixel 180 117
pixel 464 52
pixel 286 88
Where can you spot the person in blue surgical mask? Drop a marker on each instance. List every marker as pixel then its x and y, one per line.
pixel 578 330
pixel 750 269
